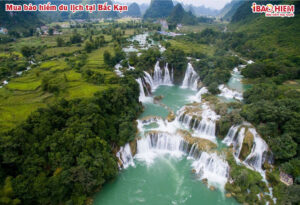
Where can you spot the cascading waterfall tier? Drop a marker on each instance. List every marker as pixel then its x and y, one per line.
pixel 142 96
pixel 229 94
pixel 161 77
pixel 259 149
pixel 125 157
pixel 258 152
pixel 206 165
pixel 213 168
pixel 149 84
pixel 200 119
pixel 190 78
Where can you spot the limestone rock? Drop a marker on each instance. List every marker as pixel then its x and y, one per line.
pixel 133 147
pixel 171 116
pixel 204 181
pixel 228 195
pixel 247 145
pixel 203 144
pixel 212 188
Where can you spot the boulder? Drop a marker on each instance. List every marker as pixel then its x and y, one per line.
pixel 204 181
pixel 158 98
pixel 171 116
pixel 247 145
pixel 149 119
pixel 228 195
pixel 212 188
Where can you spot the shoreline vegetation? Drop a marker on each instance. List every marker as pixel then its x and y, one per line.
pixel 65 112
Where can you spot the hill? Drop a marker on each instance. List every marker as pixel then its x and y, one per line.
pixel 133 11
pixel 282 44
pixel 20 20
pixel 159 9
pixel 179 15
pixel 229 10
pixel 201 10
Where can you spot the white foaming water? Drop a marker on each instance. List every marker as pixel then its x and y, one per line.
pixel 198 96
pixel 228 140
pixel 142 97
pixel 149 80
pixel 117 70
pixel 206 127
pixel 158 143
pixel 160 77
pixel 210 166
pixel 167 78
pixel 238 142
pixel 230 94
pixel 250 61
pixel 259 149
pixel 257 156
pixel 213 168
pixel 190 78
pixel 125 156
pixel 131 67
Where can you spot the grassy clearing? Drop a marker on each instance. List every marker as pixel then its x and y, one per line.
pixel 291 84
pixel 95 59
pixel 189 47
pixel 200 27
pixel 56 51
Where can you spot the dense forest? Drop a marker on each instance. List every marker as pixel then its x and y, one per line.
pixel 65 152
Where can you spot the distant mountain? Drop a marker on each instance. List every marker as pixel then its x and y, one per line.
pixel 159 9
pixel 179 15
pixel 18 20
pixel 144 8
pixel 229 10
pixel 133 11
pixel 201 10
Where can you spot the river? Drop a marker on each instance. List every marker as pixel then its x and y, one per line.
pixel 168 179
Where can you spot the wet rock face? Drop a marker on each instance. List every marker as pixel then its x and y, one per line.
pixel 171 116
pixel 202 144
pixel 133 147
pixel 178 76
pixel 247 145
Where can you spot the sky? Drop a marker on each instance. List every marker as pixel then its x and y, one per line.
pixel 216 4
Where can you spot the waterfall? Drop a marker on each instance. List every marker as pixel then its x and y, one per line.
pixel 238 143
pixel 213 168
pixel 259 149
pixel 167 77
pixel 190 78
pixel 160 77
pixel 157 77
pixel 149 80
pixel 142 96
pixel 125 156
pixel 198 96
pixel 230 94
pixel 228 140
pixel 158 143
pixel 117 70
pixel 207 165
pixel 204 128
